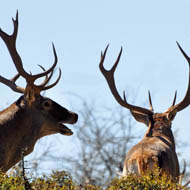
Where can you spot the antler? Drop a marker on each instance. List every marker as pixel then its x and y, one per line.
pixel 186 100
pixel 175 96
pixel 11 83
pixel 43 86
pixel 10 41
pixel 150 101
pixel 109 75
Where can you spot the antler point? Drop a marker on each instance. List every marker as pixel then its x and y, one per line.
pixel 53 45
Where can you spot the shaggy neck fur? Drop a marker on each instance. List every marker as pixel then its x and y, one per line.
pixel 17 134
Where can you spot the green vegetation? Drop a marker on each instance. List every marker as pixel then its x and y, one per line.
pixel 63 181
pixel 146 182
pixel 58 180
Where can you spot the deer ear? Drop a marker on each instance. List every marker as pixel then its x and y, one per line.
pixel 143 118
pixel 171 114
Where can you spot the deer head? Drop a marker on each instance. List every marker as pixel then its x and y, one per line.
pixel 32 116
pixel 158 145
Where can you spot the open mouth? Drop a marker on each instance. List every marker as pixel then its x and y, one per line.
pixel 64 130
pixel 72 119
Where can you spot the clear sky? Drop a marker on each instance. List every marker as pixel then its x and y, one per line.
pixel 147 30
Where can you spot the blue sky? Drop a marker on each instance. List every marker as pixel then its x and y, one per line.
pixel 147 30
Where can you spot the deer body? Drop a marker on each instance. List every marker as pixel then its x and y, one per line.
pixel 32 116
pixel 151 151
pixel 157 148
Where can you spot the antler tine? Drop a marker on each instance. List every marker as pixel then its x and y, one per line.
pixel 183 52
pixel 47 79
pixel 102 57
pixel 52 85
pixel 112 70
pixel 15 77
pixel 11 84
pixel 186 100
pixel 124 96
pixel 175 96
pixel 150 101
pixel 50 69
pixel 10 41
pixel 15 23
pixel 42 67
pixel 109 76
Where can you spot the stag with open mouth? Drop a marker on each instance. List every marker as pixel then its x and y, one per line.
pixel 32 116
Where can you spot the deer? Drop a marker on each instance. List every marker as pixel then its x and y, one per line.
pixel 157 147
pixel 32 116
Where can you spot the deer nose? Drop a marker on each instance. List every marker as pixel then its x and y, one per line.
pixel 74 117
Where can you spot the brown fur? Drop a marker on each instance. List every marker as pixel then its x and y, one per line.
pixel 32 116
pixel 157 148
pixel 22 125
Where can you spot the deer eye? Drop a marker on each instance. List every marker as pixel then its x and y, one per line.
pixel 47 104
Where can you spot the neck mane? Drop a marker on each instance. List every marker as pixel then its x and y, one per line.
pixel 17 135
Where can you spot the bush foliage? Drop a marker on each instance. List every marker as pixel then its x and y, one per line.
pixel 146 182
pixel 63 181
pixel 57 180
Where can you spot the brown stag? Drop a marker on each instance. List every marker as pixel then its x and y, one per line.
pixel 157 148
pixel 32 116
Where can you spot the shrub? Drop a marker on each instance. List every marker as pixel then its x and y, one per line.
pixel 61 180
pixel 149 181
pixel 58 180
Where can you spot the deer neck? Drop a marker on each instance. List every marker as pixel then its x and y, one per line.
pixel 164 133
pixel 18 134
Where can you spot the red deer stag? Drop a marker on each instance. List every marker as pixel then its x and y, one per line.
pixel 157 146
pixel 32 116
